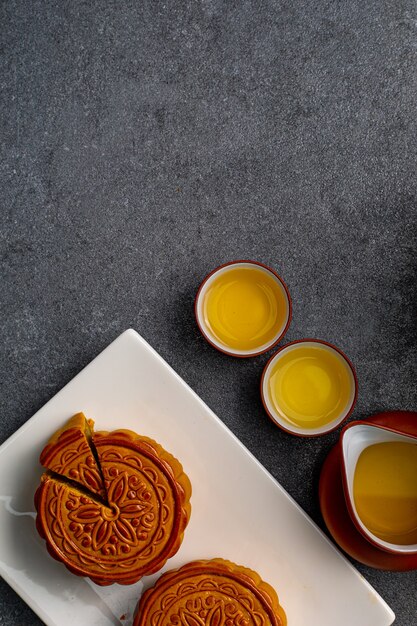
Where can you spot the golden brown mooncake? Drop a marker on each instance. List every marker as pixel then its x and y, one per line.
pixel 210 593
pixel 68 453
pixel 135 529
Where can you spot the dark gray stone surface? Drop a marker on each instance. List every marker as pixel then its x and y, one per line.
pixel 144 143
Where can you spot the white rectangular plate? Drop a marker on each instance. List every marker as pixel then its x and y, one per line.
pixel 239 512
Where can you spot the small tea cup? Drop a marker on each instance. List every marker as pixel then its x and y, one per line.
pixel 309 387
pixel 243 308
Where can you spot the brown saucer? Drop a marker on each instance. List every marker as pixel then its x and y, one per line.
pixel 335 512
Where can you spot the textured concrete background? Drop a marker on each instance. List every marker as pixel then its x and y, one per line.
pixel 144 143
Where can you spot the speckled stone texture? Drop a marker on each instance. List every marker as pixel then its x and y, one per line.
pixel 145 142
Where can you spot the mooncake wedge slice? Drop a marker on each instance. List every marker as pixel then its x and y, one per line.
pixel 69 453
pixel 210 593
pixel 77 529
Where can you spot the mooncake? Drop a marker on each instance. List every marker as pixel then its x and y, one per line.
pixel 69 454
pixel 210 593
pixel 134 528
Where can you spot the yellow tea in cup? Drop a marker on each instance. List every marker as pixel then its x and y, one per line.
pixel 309 387
pixel 385 491
pixel 243 308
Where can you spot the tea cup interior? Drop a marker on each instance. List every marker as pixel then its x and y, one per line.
pixel 308 425
pixel 280 323
pixel 355 439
